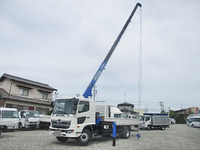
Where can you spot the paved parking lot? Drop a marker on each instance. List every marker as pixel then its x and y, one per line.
pixel 177 137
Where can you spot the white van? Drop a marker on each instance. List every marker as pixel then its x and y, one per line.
pixel 9 118
pixel 29 119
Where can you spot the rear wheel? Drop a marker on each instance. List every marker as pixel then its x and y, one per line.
pixel 62 139
pixel 125 133
pixel 162 127
pixel 84 138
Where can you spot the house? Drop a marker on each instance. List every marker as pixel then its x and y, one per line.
pixel 127 108
pixel 187 111
pixel 20 93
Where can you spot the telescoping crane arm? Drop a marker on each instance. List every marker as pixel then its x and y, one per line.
pixel 88 91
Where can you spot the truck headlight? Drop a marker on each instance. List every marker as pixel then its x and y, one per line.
pixel 69 131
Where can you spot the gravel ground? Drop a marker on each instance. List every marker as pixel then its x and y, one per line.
pixel 177 137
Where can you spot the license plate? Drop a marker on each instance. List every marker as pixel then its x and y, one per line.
pixel 57 133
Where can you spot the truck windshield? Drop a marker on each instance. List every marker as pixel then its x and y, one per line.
pixel 65 106
pixel 9 114
pixel 32 114
pixel 141 118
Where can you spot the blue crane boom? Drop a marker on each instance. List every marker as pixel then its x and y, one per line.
pixel 88 91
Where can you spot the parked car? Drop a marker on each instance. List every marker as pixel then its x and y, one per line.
pixel 172 121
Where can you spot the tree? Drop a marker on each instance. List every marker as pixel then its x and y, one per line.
pixel 180 118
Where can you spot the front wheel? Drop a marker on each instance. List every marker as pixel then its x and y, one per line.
pixel 20 126
pixel 84 138
pixel 62 139
pixel 148 127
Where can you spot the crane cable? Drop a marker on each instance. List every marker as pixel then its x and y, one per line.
pixel 140 64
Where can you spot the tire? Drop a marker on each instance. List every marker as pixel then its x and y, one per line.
pixel 20 126
pixel 162 127
pixel 62 139
pixel 84 138
pixel 125 133
pixel 148 127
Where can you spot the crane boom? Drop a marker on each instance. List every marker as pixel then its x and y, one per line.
pixel 88 91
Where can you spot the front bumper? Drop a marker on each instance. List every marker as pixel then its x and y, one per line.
pixel 59 132
pixel 31 125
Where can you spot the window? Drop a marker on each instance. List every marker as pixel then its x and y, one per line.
pixel 64 106
pixel 147 118
pixel 83 106
pixel 43 95
pixel 22 114
pixel 9 114
pixel 23 91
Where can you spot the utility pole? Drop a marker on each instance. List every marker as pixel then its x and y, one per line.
pixel 161 106
pixel 168 110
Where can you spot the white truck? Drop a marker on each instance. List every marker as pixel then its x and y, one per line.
pixel 9 119
pixel 78 117
pixel 81 119
pixel 154 120
pixel 29 119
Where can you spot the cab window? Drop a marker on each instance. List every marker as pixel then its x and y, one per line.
pixel 83 106
pixel 147 118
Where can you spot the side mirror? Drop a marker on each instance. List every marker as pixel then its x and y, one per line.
pixel 24 115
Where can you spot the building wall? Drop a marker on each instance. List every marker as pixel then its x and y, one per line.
pixel 192 110
pixel 12 87
pixel 27 106
pixel 140 111
pixel 6 84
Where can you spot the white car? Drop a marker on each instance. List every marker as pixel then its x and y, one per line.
pixel 195 124
pixel 172 121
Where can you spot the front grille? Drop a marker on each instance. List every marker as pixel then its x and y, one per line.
pixel 60 124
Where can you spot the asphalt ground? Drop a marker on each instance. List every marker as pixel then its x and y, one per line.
pixel 177 137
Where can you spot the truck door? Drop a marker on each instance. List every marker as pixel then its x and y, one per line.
pixel 147 120
pixel 85 113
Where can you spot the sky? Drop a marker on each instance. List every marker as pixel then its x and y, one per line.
pixel 63 42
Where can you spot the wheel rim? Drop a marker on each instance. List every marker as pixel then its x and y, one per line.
pixel 84 137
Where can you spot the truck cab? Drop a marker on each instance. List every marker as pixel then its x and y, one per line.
pixel 70 117
pixel 145 121
pixel 29 119
pixel 9 118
